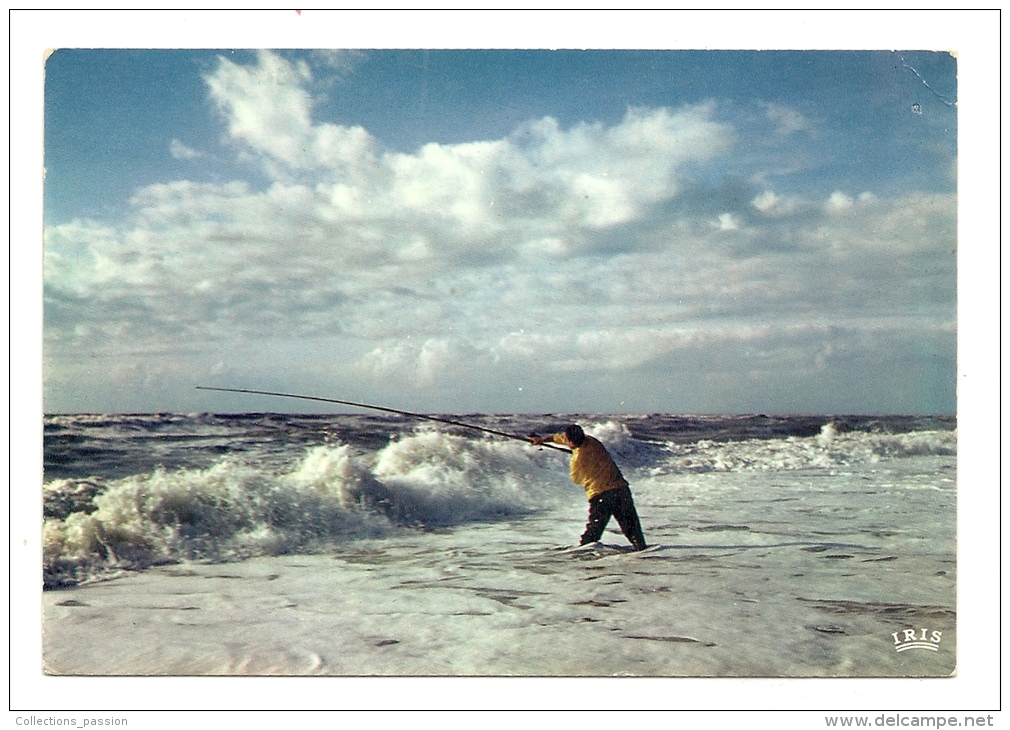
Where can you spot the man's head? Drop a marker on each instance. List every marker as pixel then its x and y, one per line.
pixel 575 435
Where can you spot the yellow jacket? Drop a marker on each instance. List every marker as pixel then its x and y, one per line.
pixel 592 467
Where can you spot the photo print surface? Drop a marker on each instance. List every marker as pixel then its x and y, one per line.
pixel 736 271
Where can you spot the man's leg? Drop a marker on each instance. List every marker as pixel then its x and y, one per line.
pixel 627 518
pixel 599 514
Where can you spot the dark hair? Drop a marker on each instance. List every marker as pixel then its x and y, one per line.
pixel 575 434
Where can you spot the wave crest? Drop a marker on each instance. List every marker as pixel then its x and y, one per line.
pixel 831 448
pixel 234 510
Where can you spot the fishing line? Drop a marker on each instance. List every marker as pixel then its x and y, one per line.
pixel 380 408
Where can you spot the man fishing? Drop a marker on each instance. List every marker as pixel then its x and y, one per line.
pixel 606 488
pixel 592 467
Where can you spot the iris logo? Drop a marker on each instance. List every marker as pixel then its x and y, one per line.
pixel 921 639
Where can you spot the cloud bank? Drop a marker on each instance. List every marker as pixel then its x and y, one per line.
pixel 592 267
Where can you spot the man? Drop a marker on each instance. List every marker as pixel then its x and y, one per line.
pixel 606 488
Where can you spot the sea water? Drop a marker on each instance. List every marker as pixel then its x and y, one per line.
pixel 368 545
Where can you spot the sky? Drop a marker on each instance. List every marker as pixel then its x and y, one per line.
pixel 120 342
pixel 452 231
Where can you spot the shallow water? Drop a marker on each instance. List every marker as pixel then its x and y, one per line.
pixel 795 556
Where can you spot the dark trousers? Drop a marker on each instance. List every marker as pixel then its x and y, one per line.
pixel 616 502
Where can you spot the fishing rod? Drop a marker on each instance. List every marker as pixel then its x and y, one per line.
pixel 380 408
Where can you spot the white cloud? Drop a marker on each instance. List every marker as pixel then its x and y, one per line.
pixel 549 252
pixel 839 201
pixel 766 201
pixel 447 203
pixel 727 222
pixel 427 364
pixel 180 151
pixel 267 107
pixel 590 175
pixel 788 121
pixel 341 61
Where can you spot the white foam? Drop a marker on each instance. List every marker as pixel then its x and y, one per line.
pixel 829 449
pixel 751 574
pixel 332 493
pixel 627 451
pixel 237 509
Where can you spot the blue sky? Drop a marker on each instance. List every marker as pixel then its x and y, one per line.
pixel 510 231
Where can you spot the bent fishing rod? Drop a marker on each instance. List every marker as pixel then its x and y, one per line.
pixel 380 408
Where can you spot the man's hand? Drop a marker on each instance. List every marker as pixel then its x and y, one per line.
pixel 537 440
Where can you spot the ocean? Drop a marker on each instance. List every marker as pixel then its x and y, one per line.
pixel 363 545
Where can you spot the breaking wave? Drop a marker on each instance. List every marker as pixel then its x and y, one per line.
pixel 235 509
pixel 256 499
pixel 830 449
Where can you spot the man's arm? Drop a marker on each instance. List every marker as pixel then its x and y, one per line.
pixel 557 438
